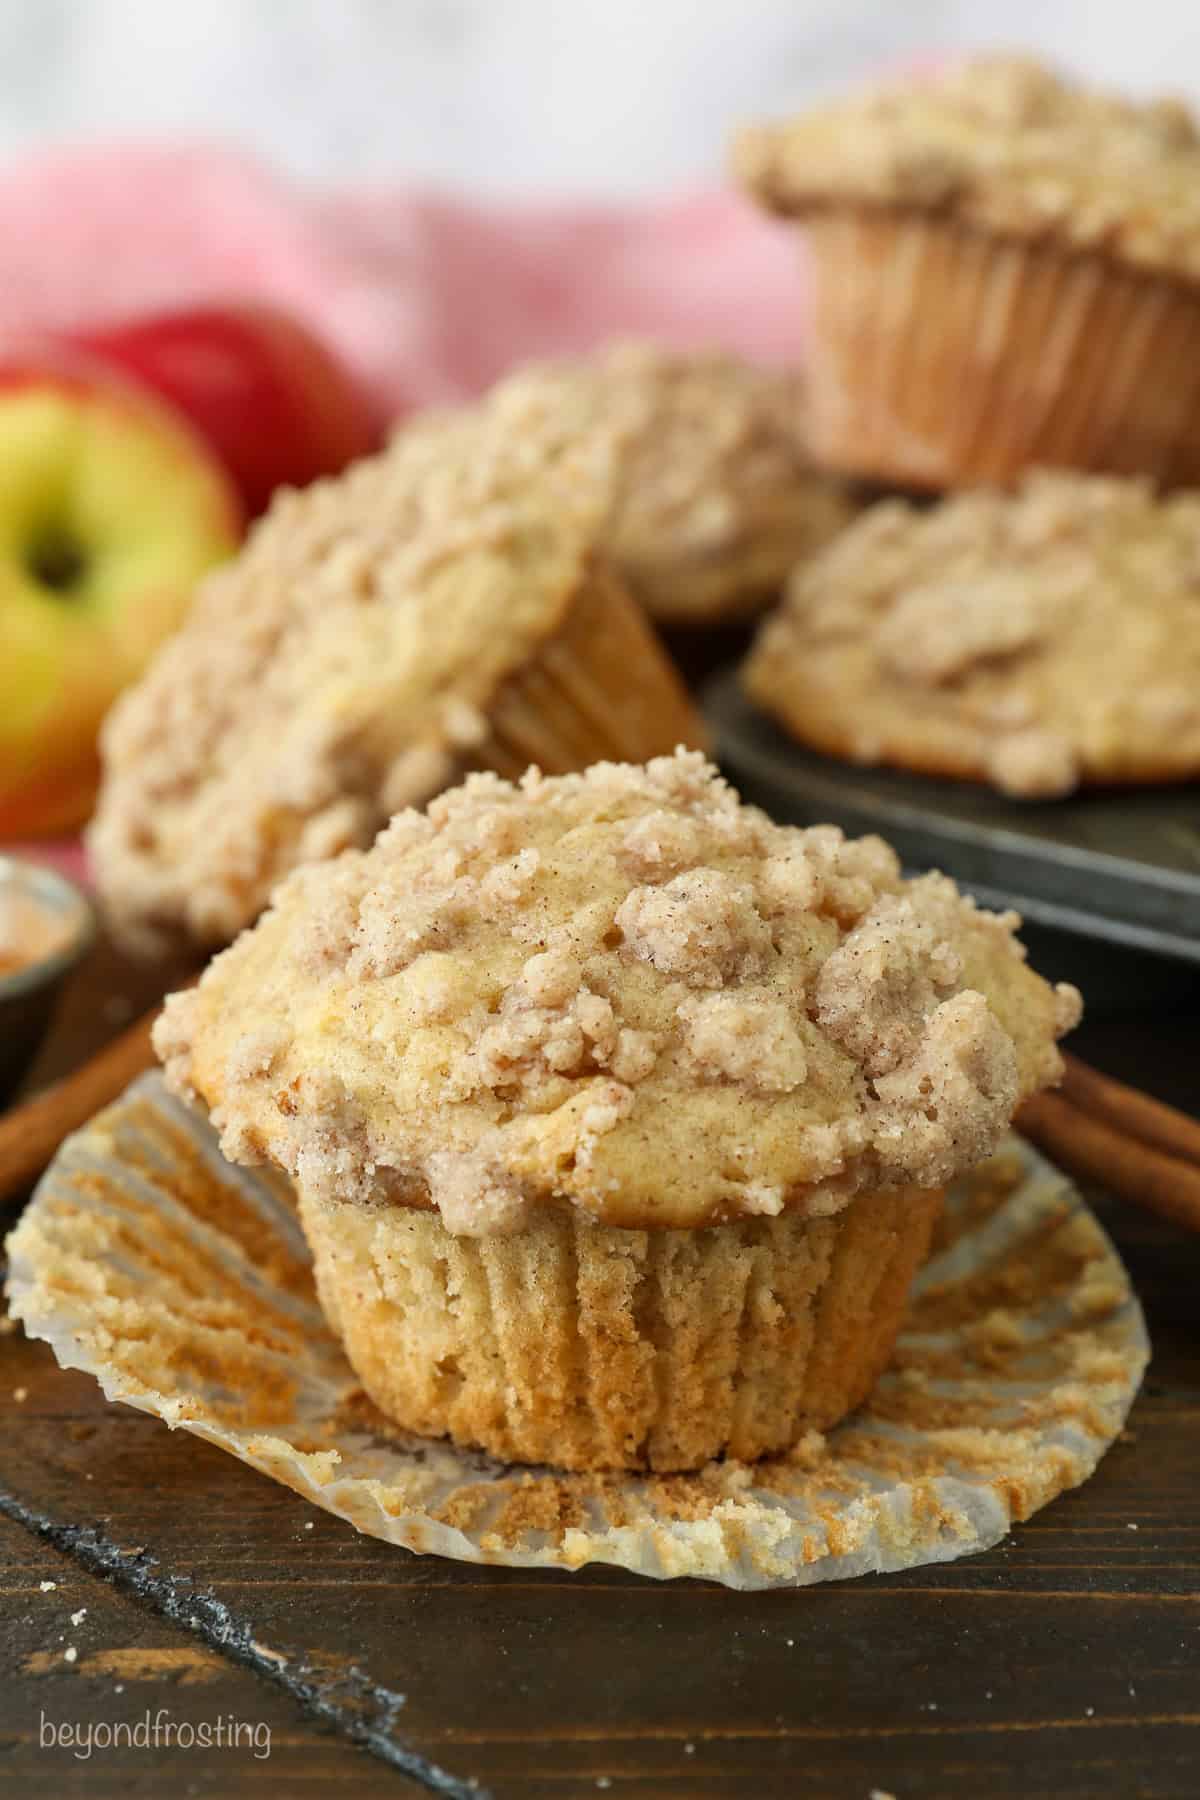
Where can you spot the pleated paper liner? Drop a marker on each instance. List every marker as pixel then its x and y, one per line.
pixel 656 1349
pixel 945 355
pixel 185 1287
pixel 601 689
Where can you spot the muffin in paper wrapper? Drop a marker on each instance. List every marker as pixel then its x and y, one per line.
pixel 185 1287
pixel 592 1347
pixel 950 356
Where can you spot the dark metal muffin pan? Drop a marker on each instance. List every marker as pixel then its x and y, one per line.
pixel 1115 866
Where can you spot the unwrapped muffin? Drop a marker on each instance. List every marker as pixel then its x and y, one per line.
pixel 433 609
pixel 618 1115
pixel 712 493
pixel 1036 640
pixel 1007 271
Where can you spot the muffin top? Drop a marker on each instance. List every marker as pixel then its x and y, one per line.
pixel 1001 142
pixel 333 671
pixel 621 989
pixel 711 494
pixel 1035 639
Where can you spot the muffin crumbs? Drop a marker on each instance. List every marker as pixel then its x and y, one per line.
pixel 976 637
pixel 711 494
pixel 1001 142
pixel 451 1020
pixel 343 664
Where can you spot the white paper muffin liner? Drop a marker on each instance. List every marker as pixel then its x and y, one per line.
pixel 184 1286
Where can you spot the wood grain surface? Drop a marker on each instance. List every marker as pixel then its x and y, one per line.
pixel 1065 1662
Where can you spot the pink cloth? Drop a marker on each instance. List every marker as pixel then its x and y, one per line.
pixel 430 298
pixel 67 855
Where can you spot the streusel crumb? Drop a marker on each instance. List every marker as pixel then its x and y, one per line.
pixel 980 637
pixel 367 645
pixel 1001 142
pixel 667 1009
pixel 712 495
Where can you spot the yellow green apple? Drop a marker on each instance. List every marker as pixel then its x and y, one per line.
pixel 111 508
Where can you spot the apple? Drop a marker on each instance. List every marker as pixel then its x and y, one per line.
pixel 111 508
pixel 274 402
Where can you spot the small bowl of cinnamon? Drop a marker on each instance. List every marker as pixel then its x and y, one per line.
pixel 46 927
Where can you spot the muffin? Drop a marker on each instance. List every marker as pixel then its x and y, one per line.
pixel 1006 271
pixel 618 1115
pixel 433 609
pixel 713 497
pixel 1035 640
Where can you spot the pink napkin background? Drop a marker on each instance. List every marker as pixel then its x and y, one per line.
pixel 429 298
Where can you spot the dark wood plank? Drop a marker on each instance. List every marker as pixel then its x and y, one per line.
pixel 1063 1662
pixel 129 1663
pixel 107 994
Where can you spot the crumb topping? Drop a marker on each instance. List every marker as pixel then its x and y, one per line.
pixel 342 666
pixel 712 496
pixel 1004 143
pixel 977 637
pixel 748 1037
pixel 703 927
pixel 339 667
pixel 886 979
pixel 778 1022
pixel 938 631
pixel 961 1078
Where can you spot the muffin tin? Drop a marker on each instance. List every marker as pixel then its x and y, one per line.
pixel 1116 867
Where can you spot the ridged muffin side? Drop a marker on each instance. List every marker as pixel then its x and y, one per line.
pixel 591 1347
pixel 1005 266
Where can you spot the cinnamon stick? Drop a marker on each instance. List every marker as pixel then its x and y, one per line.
pixel 1092 1144
pixel 31 1133
pixel 1136 1115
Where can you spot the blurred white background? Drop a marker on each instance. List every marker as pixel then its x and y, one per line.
pixel 525 96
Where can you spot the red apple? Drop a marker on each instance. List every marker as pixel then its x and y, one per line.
pixel 273 401
pixel 111 508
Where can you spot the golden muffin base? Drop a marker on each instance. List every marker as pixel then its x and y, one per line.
pixel 916 741
pixel 591 1347
pixel 600 689
pixel 944 354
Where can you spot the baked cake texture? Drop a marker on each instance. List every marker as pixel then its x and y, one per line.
pixel 1007 271
pixel 433 609
pixel 1003 143
pixel 712 493
pixel 1036 640
pixel 618 1114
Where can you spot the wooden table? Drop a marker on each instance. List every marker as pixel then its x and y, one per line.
pixel 1065 1662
